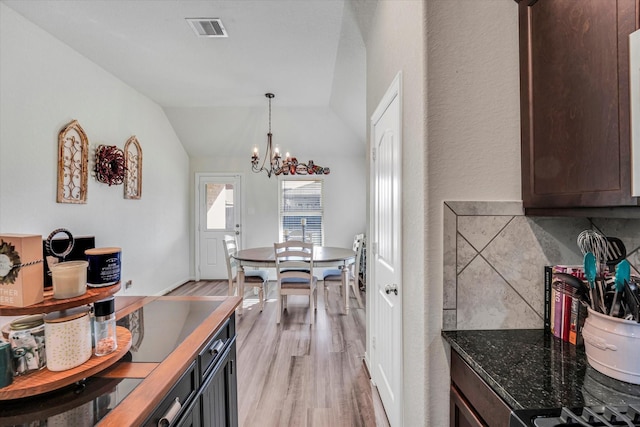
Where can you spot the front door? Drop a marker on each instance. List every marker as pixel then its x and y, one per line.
pixel 218 207
pixel 386 226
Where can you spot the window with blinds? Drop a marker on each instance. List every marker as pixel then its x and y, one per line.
pixel 301 210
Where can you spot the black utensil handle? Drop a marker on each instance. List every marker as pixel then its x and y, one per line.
pixel 574 282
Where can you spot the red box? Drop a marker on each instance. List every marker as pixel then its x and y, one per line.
pixel 21 270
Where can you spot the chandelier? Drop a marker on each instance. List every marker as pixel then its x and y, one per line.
pixel 277 165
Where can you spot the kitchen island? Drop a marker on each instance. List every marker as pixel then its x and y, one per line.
pixel 497 371
pixel 182 353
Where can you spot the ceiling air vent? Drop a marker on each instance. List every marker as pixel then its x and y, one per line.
pixel 207 27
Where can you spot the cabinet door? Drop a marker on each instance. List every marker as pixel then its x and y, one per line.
pixel 172 406
pixel 575 116
pixel 191 417
pixel 462 414
pixel 473 402
pixel 219 399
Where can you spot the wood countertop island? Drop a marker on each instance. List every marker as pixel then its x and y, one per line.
pixel 182 350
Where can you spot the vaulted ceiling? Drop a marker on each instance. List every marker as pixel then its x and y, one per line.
pixel 310 53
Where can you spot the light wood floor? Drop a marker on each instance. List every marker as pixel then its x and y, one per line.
pixel 297 374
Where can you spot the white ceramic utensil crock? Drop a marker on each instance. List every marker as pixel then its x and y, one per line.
pixel 611 345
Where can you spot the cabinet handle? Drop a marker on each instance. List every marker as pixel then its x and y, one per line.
pixel 217 347
pixel 171 414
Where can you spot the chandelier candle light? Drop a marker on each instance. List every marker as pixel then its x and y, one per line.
pixel 289 165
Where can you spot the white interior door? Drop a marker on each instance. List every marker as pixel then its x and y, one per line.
pixel 218 213
pixel 386 316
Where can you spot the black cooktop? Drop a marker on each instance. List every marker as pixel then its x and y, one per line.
pixel 161 326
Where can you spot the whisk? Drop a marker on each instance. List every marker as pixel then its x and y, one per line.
pixel 594 242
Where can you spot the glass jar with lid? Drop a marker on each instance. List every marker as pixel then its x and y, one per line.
pixel 27 339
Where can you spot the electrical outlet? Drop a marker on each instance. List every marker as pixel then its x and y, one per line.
pixel 128 284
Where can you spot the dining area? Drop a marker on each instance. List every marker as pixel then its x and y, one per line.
pixel 299 266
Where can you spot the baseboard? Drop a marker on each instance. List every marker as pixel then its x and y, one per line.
pixel 366 367
pixel 173 287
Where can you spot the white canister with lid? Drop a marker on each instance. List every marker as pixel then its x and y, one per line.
pixel 68 338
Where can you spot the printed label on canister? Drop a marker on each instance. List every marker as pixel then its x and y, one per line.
pixel 104 266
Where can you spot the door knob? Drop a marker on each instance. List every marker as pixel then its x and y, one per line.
pixel 391 288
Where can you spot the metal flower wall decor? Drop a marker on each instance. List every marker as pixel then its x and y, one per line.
pixel 110 165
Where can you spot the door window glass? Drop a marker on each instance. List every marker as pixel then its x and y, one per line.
pixel 219 202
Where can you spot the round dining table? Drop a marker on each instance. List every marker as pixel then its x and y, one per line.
pixel 323 256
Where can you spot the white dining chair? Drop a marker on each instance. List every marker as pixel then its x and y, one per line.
pixel 256 278
pixel 294 267
pixel 335 275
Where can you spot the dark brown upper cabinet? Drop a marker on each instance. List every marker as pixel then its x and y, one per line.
pixel 574 102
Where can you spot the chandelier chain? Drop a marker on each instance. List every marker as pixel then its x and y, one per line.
pixel 269 114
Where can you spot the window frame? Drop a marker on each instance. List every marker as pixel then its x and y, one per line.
pixel 309 213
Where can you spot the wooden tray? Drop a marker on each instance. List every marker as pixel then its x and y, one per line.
pixel 44 380
pixel 51 304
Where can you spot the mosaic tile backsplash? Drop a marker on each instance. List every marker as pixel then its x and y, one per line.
pixel 494 260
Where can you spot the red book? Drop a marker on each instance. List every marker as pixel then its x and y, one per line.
pixel 566 315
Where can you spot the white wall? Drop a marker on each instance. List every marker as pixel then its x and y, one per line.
pixel 396 44
pixel 43 86
pixel 468 149
pixel 473 143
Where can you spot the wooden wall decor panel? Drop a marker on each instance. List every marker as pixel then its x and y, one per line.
pixel 133 174
pixel 73 167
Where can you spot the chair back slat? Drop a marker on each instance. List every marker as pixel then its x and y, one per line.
pixel 294 267
pixel 294 259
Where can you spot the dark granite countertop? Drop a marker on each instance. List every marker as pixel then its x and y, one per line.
pixel 530 369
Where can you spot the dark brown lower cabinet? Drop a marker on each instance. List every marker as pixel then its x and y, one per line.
pixel 473 402
pixel 462 414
